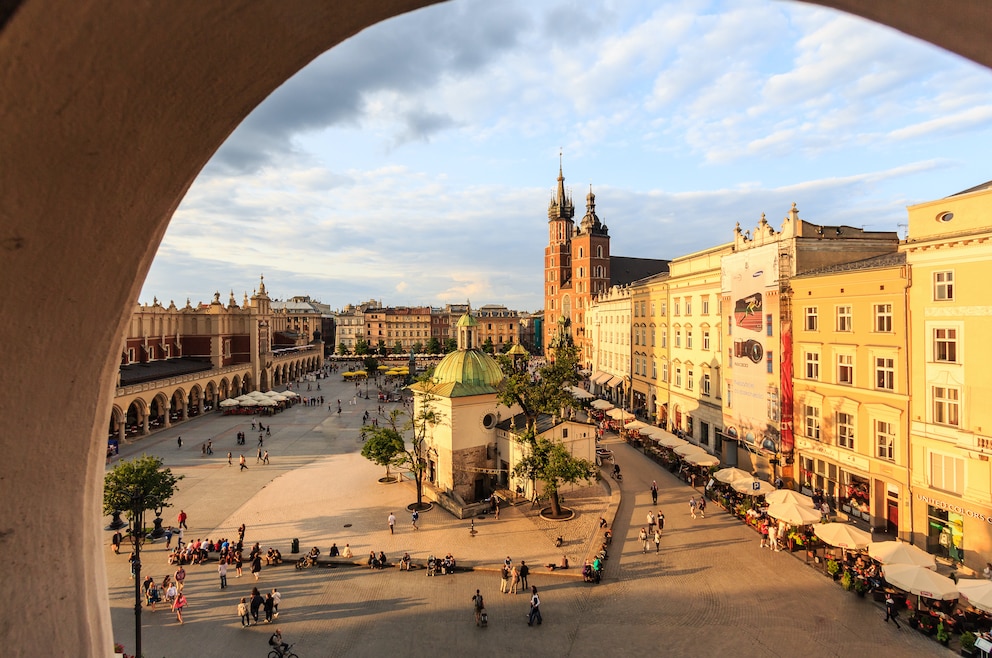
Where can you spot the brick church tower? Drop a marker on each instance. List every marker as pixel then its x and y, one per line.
pixel 576 267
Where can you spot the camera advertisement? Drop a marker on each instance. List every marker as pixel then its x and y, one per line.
pixel 750 281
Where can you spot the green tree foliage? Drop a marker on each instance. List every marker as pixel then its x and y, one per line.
pixel 381 348
pixel 547 460
pixel 398 347
pixel 342 348
pixel 361 347
pixel 450 345
pixel 506 348
pixel 371 365
pixel 142 479
pixel 418 347
pixel 383 446
pixel 433 346
pixel 487 346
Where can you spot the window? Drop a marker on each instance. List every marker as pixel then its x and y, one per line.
pixel 945 345
pixel 678 338
pixel 652 308
pixel 688 305
pixel 652 336
pixel 943 286
pixel 885 373
pixel 644 308
pixel 769 362
pixel 769 327
pixel 688 339
pixel 664 372
pixel 706 305
pixel 644 336
pixel 845 430
pixel 581 252
pixel 706 340
pixel 883 318
pixel 946 473
pixel 812 321
pixel 945 405
pixel 678 377
pixel 664 337
pixel 637 337
pixel 664 309
pixel 843 318
pixel 676 307
pixel 812 416
pixel 845 369
pixel 690 378
pixel 885 439
pixel 599 252
pixel 812 365
pixel 706 383
pixel 654 369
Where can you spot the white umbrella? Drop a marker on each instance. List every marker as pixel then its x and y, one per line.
pixel 249 403
pixel 920 581
pixel 579 393
pixel 977 592
pixel 729 475
pixel 790 496
pixel 652 432
pixel 258 395
pixel 702 459
pixel 672 441
pixel 688 449
pixel 267 402
pixel 272 393
pixel 637 425
pixel 620 414
pixel 229 402
pixel 602 405
pixel 842 535
pixel 292 394
pixel 278 398
pixel 793 513
pixel 752 487
pixel 242 398
pixel 898 552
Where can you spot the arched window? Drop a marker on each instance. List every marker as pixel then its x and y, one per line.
pixel 581 252
pixel 599 251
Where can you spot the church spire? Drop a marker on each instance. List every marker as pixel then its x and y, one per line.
pixel 561 204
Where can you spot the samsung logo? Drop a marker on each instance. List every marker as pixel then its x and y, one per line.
pixel 757 274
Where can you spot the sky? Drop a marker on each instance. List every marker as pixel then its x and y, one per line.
pixel 413 164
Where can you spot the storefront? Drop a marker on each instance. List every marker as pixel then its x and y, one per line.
pixel 960 532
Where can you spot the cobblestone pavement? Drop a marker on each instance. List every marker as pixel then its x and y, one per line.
pixel 710 591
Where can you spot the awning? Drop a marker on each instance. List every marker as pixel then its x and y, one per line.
pixel 614 381
pixel 600 377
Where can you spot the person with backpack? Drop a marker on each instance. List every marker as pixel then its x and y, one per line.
pixel 480 606
pixel 535 607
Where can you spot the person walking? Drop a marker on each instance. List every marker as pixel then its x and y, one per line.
pixel 504 579
pixel 479 605
pixel 276 599
pixel 269 606
pixel 514 580
pixel 654 492
pixel 657 541
pixel 254 603
pixel 392 522
pixel 230 457
pixel 179 440
pixel 661 521
pixel 692 507
pixel 891 612
pixel 265 457
pixel 643 537
pixel 650 521
pixel 535 607
pixel 115 542
pixel 773 537
pixel 244 466
pixel 524 571
pixel 258 457
pixel 178 605
pixel 256 565
pixel 222 571
pixel 168 536
pixel 701 506
pixel 182 519
pixel 415 517
pixel 243 613
pixel 179 577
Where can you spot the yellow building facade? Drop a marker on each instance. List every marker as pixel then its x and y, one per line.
pixel 949 251
pixel 851 386
pixel 649 392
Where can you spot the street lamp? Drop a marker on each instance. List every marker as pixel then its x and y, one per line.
pixel 137 534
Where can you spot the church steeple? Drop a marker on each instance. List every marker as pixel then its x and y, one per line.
pixel 561 206
pixel 590 223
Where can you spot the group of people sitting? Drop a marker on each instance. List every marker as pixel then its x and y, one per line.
pixel 343 552
pixel 377 561
pixel 592 572
pixel 273 556
pixel 198 552
pixel 445 566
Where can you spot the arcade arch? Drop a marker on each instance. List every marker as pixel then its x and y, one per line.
pixel 64 236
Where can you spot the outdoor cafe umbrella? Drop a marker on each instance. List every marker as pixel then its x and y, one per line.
pixel 920 581
pixel 898 552
pixel 672 441
pixel 620 414
pixel 793 513
pixel 637 425
pixel 602 405
pixel 292 394
pixel 267 402
pixel 688 449
pixel 842 535
pixel 702 459
pixel 753 487
pixel 729 475
pixel 249 403
pixel 978 592
pixel 790 496
pixel 229 402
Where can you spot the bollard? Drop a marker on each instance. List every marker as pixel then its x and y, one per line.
pixel 296 546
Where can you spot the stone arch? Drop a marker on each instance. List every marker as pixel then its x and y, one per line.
pixel 67 234
pixel 118 427
pixel 158 412
pixel 236 386
pixel 136 418
pixel 246 383
pixel 177 406
pixel 225 389
pixel 209 395
pixel 194 404
pixel 263 382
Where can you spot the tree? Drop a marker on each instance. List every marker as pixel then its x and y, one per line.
pixel 487 345
pixel 141 479
pixel 398 347
pixel 506 347
pixel 342 348
pixel 383 446
pixel 545 393
pixel 433 346
pixel 450 345
pixel 361 347
pixel 381 348
pixel 418 347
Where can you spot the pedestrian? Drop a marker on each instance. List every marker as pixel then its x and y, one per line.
pixel 514 580
pixel 654 492
pixel 763 531
pixel 179 541
pixel 179 440
pixel 496 510
pixel 268 430
pixel 243 613
pixel 115 542
pixel 535 607
pixel 504 579
pixel 657 541
pixel 252 424
pixel 241 533
pixel 702 507
pixel 479 605
pixel 210 446
pixel 276 598
pixel 260 441
pixel 265 457
pixel 244 466
pixel 171 592
pixel 179 577
pixel 643 537
pixel 178 606
pixel 222 571
pixel 650 521
pixel 182 519
pixel 256 565
pixel 524 571
pixel 238 562
pixel 692 507
pixel 773 537
pixel 168 537
pixel 254 603
pixel 269 606
pixel 203 449
pixel 415 517
pixel 258 457
pixel 391 521
pixel 660 518
pixel 891 612
pixel 229 458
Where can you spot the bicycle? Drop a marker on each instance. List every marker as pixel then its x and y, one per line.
pixel 287 653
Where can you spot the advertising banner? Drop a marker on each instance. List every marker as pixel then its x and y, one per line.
pixel 750 280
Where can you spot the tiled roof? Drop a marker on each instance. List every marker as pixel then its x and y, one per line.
pixel 885 260
pixel 624 270
pixel 137 373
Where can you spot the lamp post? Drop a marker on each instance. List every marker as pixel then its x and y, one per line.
pixel 137 533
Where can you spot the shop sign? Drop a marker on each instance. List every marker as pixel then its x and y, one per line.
pixel 957 509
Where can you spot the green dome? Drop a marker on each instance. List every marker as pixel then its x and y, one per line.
pixel 467 321
pixel 470 368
